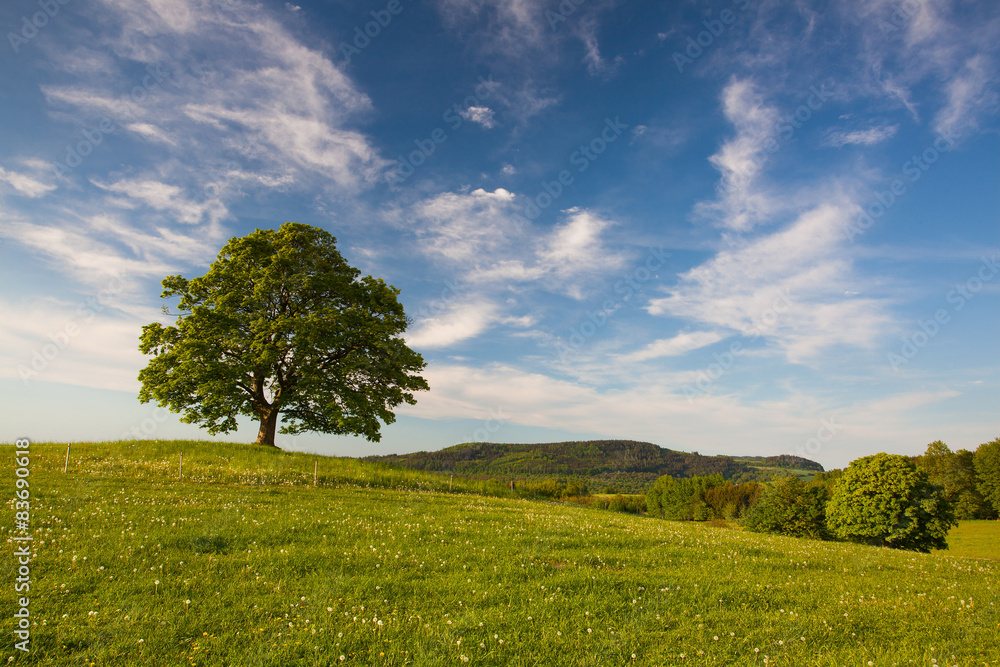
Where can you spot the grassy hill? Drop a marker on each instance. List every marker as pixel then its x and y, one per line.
pixel 624 464
pixel 244 562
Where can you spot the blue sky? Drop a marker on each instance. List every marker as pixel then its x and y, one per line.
pixel 735 227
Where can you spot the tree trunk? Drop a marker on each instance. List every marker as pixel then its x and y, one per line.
pixel 268 425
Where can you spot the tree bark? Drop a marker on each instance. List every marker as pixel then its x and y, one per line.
pixel 268 426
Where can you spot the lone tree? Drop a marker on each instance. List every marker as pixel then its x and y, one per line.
pixel 281 324
pixel 885 500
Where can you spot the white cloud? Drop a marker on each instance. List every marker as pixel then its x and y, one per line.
pixel 799 274
pixel 466 229
pixel 576 251
pixel 740 160
pixel 167 198
pixel 869 137
pixel 480 115
pixel 970 93
pixel 292 99
pixel 586 30
pixel 460 322
pixel 26 185
pixel 672 347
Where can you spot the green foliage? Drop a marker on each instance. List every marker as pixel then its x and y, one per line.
pixel 884 500
pixel 987 464
pixel 955 473
pixel 282 324
pixel 789 506
pixel 624 465
pixel 731 501
pixel 681 500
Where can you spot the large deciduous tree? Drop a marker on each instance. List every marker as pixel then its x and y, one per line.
pixel 282 324
pixel 885 500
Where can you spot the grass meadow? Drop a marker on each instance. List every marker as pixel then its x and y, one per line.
pixel 244 562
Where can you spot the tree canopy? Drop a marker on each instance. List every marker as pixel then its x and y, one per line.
pixel 789 506
pixel 282 324
pixel 885 500
pixel 987 463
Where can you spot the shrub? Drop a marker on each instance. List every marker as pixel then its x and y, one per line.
pixel 790 507
pixel 884 500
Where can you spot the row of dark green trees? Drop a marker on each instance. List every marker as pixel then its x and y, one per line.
pixel 882 500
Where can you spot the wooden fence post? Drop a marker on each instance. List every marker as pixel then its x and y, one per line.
pixel 450 479
pixel 66 467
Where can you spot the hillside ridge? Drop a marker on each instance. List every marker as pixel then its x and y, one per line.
pixel 612 460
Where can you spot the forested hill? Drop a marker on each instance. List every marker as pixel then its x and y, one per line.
pixel 593 458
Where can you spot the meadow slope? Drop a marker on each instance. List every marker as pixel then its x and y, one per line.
pixel 244 562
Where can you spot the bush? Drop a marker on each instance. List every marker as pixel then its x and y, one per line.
pixel 790 507
pixel 884 500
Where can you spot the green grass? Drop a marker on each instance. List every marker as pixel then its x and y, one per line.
pixel 975 539
pixel 244 562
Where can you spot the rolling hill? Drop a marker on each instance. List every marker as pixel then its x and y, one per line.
pixel 626 465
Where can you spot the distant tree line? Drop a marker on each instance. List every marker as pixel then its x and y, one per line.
pixel 883 499
pixel 627 464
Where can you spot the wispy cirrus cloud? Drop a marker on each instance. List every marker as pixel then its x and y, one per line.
pixel 805 265
pixel 866 137
pixel 672 347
